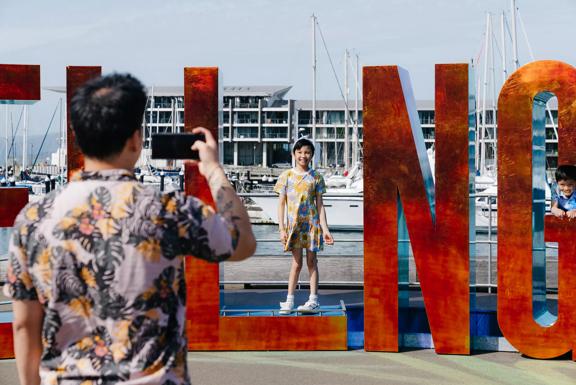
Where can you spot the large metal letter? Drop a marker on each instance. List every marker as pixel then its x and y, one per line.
pixel 207 330
pixel 75 77
pixel 18 84
pixel 397 169
pixel 522 313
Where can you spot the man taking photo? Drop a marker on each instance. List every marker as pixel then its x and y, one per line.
pixel 96 268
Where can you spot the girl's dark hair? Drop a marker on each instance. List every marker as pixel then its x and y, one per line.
pixel 565 171
pixel 302 142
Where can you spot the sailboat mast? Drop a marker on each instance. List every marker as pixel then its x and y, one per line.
pixel 503 42
pixel 355 129
pixel 514 36
pixel 494 97
pixel 313 76
pixel 346 113
pixel 25 139
pixel 6 136
pixel 62 144
pixel 485 86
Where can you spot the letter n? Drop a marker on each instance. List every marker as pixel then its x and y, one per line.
pixel 399 185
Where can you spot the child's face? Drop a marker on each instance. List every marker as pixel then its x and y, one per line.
pixel 303 156
pixel 567 187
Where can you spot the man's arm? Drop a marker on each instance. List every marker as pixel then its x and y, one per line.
pixel 27 329
pixel 228 204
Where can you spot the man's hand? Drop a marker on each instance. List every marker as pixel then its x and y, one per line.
pixel 558 212
pixel 207 151
pixel 571 214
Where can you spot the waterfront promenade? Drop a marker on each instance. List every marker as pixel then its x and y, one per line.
pixel 357 367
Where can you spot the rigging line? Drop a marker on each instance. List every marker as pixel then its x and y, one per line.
pixel 477 60
pixel 334 71
pixel 507 27
pixel 495 42
pixel 15 132
pixel 534 59
pixel 46 134
pixel 525 34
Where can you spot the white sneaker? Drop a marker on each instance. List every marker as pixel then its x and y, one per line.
pixel 286 307
pixel 309 307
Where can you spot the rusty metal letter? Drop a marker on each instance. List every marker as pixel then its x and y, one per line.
pixel 75 77
pixel 438 219
pixel 522 230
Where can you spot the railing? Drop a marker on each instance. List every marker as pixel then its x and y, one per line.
pixel 275 135
pixel 490 231
pixel 246 105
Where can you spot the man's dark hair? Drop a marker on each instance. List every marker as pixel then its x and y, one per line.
pixel 105 112
pixel 303 142
pixel 565 172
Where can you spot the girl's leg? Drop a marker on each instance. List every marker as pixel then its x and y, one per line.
pixel 294 270
pixel 312 262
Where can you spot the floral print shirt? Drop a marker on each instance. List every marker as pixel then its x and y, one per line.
pixel 104 256
pixel 303 227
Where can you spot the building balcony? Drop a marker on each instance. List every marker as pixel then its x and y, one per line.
pixel 269 122
pixel 246 121
pixel 275 135
pixel 246 105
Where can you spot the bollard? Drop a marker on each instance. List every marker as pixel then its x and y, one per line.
pixel 47 184
pixel 162 180
pixel 52 183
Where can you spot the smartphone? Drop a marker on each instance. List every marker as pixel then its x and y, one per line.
pixel 174 146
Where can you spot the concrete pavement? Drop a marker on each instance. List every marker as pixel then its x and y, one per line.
pixel 422 367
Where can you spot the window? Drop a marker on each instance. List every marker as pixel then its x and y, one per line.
pixel 426 117
pixel 275 117
pixel 305 117
pixel 246 132
pixel 335 117
pixel 275 132
pixel 246 118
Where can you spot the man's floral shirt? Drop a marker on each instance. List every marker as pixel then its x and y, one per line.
pixel 104 255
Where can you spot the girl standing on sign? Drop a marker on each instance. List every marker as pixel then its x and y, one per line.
pixel 303 224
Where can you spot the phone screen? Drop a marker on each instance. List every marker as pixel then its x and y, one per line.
pixel 174 146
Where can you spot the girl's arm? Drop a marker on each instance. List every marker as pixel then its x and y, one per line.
pixel 323 222
pixel 282 218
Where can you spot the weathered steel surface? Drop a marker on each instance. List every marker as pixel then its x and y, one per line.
pixel 397 170
pixel 75 77
pixel 19 83
pixel 12 200
pixel 206 329
pixel 523 318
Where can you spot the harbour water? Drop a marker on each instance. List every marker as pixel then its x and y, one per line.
pixel 347 243
pixel 341 262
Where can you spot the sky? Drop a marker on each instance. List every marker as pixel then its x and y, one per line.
pixel 266 42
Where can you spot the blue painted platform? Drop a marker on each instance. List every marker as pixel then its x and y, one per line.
pixel 414 328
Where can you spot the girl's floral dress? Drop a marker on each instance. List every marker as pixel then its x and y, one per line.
pixel 303 227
